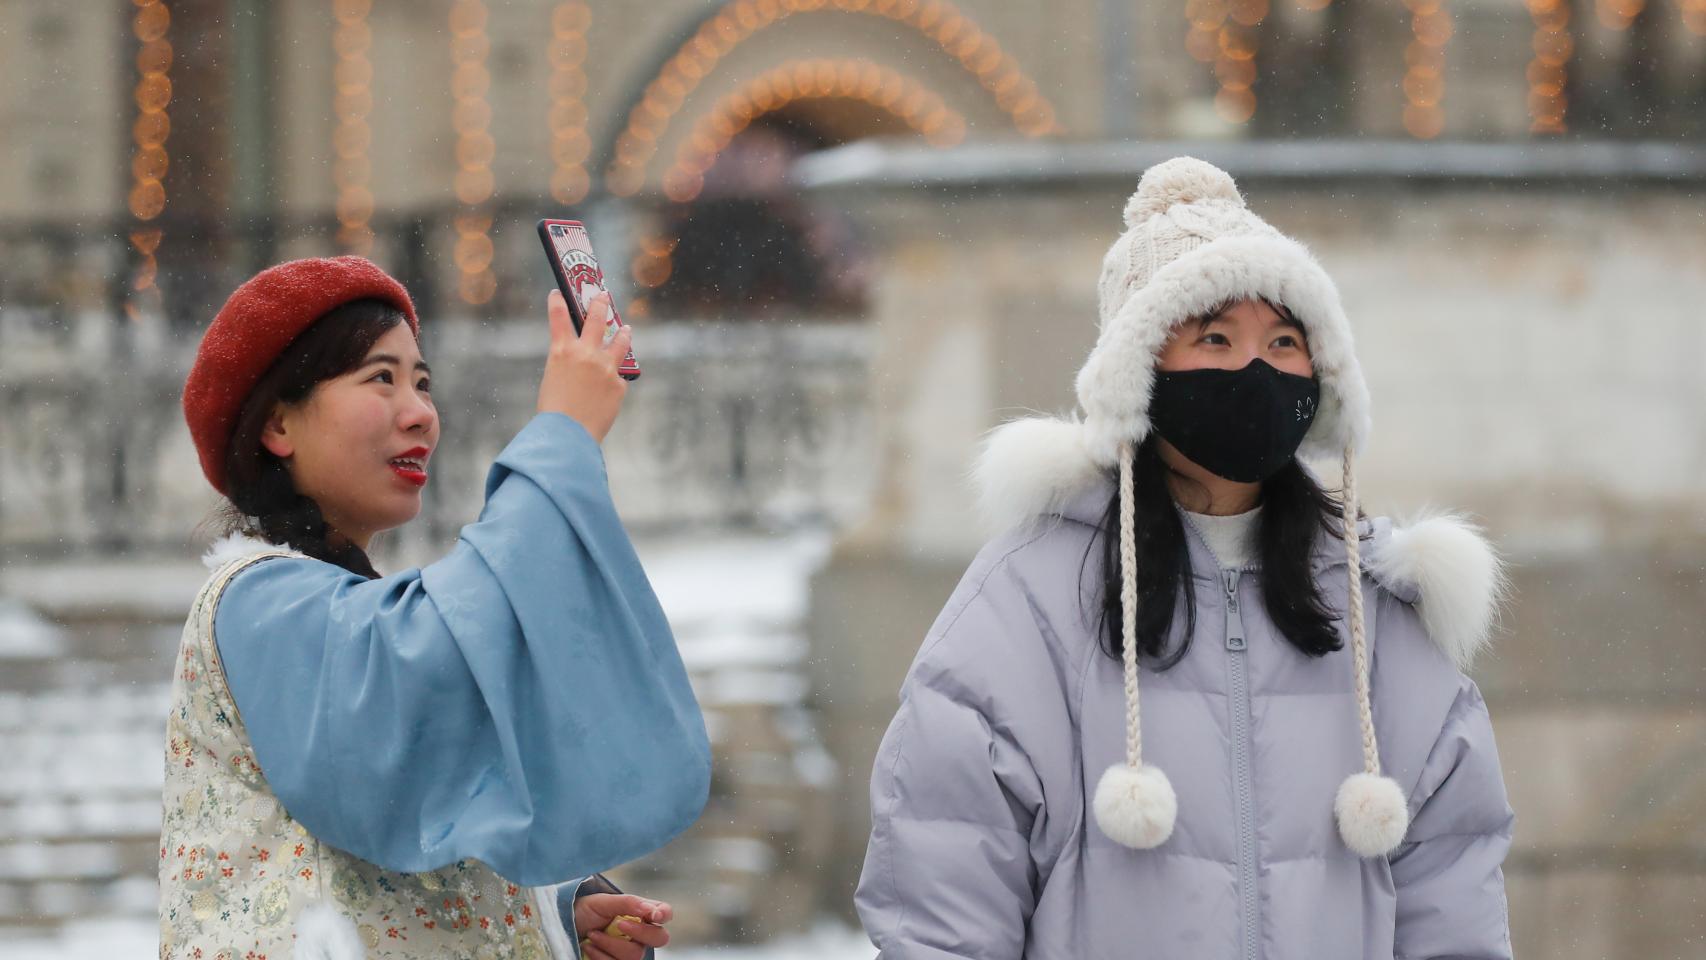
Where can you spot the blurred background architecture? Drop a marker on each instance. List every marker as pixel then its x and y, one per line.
pixel 856 234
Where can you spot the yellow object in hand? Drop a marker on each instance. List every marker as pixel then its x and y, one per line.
pixel 616 931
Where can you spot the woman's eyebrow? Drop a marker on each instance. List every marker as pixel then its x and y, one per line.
pixel 420 365
pixel 1285 319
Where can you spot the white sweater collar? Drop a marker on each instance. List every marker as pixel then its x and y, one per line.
pixel 1232 539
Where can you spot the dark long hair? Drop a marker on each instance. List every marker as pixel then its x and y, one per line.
pixel 1295 510
pixel 263 499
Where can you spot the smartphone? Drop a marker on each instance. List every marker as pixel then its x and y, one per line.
pixel 569 248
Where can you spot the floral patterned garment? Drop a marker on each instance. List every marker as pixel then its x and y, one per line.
pixel 237 872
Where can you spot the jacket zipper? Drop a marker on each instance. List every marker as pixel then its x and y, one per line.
pixel 1239 704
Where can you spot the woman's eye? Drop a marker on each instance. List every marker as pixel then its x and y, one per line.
pixel 383 376
pixel 1218 339
pixel 425 386
pixel 1286 342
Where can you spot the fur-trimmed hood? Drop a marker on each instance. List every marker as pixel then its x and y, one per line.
pixel 1037 469
pixel 238 546
pixel 1191 245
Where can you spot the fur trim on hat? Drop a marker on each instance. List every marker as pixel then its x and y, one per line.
pixel 324 933
pixel 238 546
pixel 1028 468
pixel 1455 576
pixel 1115 384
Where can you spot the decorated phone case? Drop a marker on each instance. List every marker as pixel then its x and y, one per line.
pixel 569 248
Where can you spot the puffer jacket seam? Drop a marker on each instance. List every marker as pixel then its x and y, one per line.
pixel 1180 855
pixel 904 730
pixel 1077 706
pixel 983 581
pixel 893 799
pixel 1016 833
pixel 1075 700
pixel 1310 858
pixel 1463 834
pixel 1414 797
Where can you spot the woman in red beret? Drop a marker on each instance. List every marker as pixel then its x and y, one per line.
pixel 412 765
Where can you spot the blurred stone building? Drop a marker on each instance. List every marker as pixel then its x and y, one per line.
pixel 859 233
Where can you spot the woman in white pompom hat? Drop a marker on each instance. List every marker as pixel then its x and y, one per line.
pixel 1319 777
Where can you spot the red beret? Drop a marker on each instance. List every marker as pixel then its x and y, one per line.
pixel 255 326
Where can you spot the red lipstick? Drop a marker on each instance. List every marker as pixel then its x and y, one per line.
pixel 410 465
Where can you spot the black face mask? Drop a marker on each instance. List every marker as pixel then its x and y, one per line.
pixel 1243 425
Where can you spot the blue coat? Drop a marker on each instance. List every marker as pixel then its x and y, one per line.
pixel 520 702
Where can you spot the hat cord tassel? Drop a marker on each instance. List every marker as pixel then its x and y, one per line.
pixel 1371 810
pixel 1134 804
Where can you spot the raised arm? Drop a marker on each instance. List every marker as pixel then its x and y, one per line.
pixel 520 701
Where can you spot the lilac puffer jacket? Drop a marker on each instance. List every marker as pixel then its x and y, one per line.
pixel 983 843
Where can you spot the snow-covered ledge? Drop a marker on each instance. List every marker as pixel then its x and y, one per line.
pixel 1044 163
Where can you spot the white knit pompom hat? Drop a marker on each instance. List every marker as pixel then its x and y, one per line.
pixel 1190 245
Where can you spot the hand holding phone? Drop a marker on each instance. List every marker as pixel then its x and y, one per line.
pixel 569 248
pixel 581 371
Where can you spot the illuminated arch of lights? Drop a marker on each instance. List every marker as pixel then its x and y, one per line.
pixel 1549 70
pixel 570 145
pixel 1618 14
pixel 843 79
pixel 149 161
pixel 1424 68
pixel 1015 92
pixel 471 117
pixel 854 79
pixel 352 103
pixel 1223 32
pixel 1694 16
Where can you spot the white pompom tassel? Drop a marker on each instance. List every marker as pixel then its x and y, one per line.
pixel 1135 806
pixel 1373 816
pixel 1372 813
pixel 324 933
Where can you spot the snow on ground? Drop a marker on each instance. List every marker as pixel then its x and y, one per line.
pixel 738 607
pixel 827 942
pixel 26 633
pixel 124 939
pixel 715 581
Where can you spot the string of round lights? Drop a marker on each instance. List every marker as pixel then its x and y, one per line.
pixel 978 52
pixel 352 102
pixel 1548 72
pixel 1694 16
pixel 843 79
pixel 149 160
pixel 570 145
pixel 1223 32
pixel 1618 14
pixel 651 267
pixel 471 117
pixel 1424 73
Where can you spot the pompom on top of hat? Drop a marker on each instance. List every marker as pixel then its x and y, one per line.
pixel 1179 180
